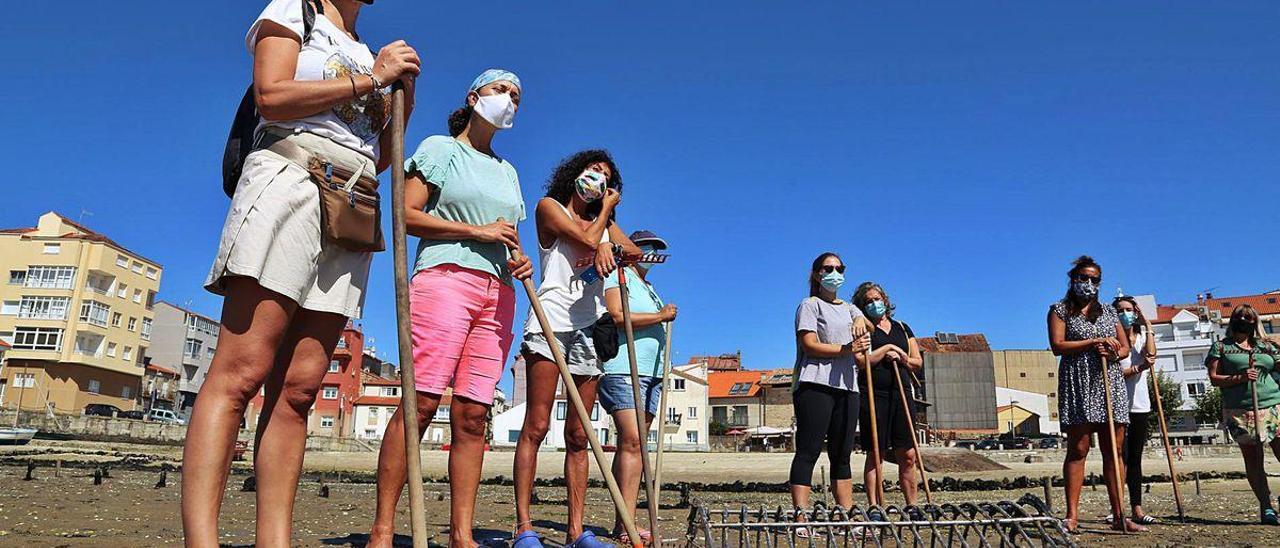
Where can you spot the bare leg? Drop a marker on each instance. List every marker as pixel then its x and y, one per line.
pixel 576 468
pixel 869 479
pixel 393 472
pixel 908 475
pixel 254 321
pixel 301 363
pixel 1073 469
pixel 468 422
pixel 543 374
pixel 626 462
pixel 1256 473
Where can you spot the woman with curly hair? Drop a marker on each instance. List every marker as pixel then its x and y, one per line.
pixel 1242 365
pixel 461 200
pixel 1090 340
pixel 575 223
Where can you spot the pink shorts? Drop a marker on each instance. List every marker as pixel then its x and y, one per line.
pixel 462 320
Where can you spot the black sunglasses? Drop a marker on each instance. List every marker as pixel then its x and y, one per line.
pixel 1096 280
pixel 827 269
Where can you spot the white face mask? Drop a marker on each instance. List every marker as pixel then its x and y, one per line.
pixel 498 110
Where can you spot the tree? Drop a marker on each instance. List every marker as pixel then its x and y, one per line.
pixel 1209 406
pixel 717 428
pixel 1170 400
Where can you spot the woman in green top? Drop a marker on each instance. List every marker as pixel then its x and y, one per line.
pixel 1241 364
pixel 461 200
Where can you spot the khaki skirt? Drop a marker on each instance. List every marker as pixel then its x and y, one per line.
pixel 272 233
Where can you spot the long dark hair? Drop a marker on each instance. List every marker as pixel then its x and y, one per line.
pixel 1137 310
pixel 458 119
pixel 1074 306
pixel 560 186
pixel 814 285
pixel 860 297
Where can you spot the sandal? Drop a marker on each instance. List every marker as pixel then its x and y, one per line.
pixel 623 538
pixel 1146 520
pixel 1066 526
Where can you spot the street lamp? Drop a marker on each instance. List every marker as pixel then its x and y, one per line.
pixel 1012 404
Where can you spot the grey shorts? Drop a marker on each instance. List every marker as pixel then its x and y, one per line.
pixel 579 351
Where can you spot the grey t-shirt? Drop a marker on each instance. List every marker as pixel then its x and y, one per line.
pixel 833 324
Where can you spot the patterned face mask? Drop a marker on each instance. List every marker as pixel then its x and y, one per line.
pixel 1084 290
pixel 590 185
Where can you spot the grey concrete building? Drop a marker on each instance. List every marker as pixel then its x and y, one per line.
pixel 960 385
pixel 183 341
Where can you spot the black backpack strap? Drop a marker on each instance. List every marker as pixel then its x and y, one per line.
pixel 309 18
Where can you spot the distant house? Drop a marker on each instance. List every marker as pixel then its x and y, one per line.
pixel 508 424
pixel 159 388
pixel 745 399
pixel 375 405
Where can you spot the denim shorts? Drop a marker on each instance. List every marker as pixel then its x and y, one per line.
pixel 578 349
pixel 615 393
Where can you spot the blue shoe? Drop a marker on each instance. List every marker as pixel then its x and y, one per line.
pixel 586 540
pixel 1269 517
pixel 527 539
pixel 875 515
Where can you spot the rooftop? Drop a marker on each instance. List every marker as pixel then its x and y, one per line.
pixel 79 232
pixel 975 342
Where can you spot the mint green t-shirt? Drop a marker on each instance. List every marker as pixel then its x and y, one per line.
pixel 470 187
pixel 650 341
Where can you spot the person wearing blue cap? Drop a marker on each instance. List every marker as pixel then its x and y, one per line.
pixel 648 316
pixel 462 200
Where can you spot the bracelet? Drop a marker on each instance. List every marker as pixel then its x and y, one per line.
pixel 377 84
pixel 354 94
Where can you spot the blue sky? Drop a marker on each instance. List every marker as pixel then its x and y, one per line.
pixel 961 155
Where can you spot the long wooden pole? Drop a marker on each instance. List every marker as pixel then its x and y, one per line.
pixel 1115 453
pixel 1164 437
pixel 911 426
pixel 1253 386
pixel 571 390
pixel 662 436
pixel 875 432
pixel 641 430
pixel 408 387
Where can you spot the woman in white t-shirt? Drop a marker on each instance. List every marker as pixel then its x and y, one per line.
pixel 289 290
pixel 1136 368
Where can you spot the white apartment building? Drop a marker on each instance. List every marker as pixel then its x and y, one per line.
pixel 685 423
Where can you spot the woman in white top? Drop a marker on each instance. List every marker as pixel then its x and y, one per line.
pixel 288 289
pixel 1136 368
pixel 575 225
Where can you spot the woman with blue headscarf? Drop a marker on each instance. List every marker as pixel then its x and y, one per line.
pixel 462 200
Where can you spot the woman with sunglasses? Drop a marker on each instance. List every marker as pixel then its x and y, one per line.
pixel 1243 364
pixel 575 225
pixel 831 339
pixel 892 342
pixel 461 200
pixel 1136 367
pixel 1089 338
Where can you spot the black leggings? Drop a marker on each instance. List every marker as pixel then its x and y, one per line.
pixel 1135 441
pixel 822 413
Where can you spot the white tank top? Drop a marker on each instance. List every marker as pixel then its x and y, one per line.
pixel 570 304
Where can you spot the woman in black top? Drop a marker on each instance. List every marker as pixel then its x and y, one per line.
pixel 891 341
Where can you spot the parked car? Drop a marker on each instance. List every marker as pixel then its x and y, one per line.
pixel 1049 443
pixel 966 444
pixel 135 415
pixel 1017 443
pixel 988 445
pixel 101 410
pixel 165 416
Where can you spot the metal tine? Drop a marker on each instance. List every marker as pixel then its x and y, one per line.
pixel 1040 532
pixel 1003 508
pixel 953 529
pixel 762 531
pixel 974 513
pixel 743 541
pixel 867 530
pixel 888 512
pixel 1007 529
pixel 846 532
pixel 914 525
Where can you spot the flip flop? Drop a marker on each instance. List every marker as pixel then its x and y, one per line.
pixel 1146 520
pixel 527 539
pixel 623 538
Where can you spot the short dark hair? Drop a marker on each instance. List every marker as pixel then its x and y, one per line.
pixel 560 186
pixel 1073 307
pixel 814 285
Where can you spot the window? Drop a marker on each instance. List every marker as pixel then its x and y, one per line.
pixel 95 387
pixel 691 436
pixel 115 319
pixel 390 391
pixel 1053 394
pixel 373 415
pixel 1195 389
pixel 740 389
pixel 111 349
pixel 653 436
pixel 672 416
pixel 44 308
pixel 10 308
pixel 1051 374
pixel 122 291
pixel 561 409
pixel 1022 374
pixel 95 313
pixel 152 273
pixel 326 421
pixel 122 261
pixel 128 353
pixel 17 277
pixel 342 342
pixel 693 412
pixel 151 300
pixel 146 329
pixel 50 277
pixel 24 380
pixel 197 323
pixel 137 295
pixel 330 393
pixel 1192 361
pixel 442 413
pixel 739 416
pixel 133 323
pixel 52 249
pixel 720 414
pixel 126 392
pixel 37 338
pixel 209 352
pixel 595 412
pixel 192 349
pixel 513 436
pixel 677 384
pixel 136 267
pixel 334 366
